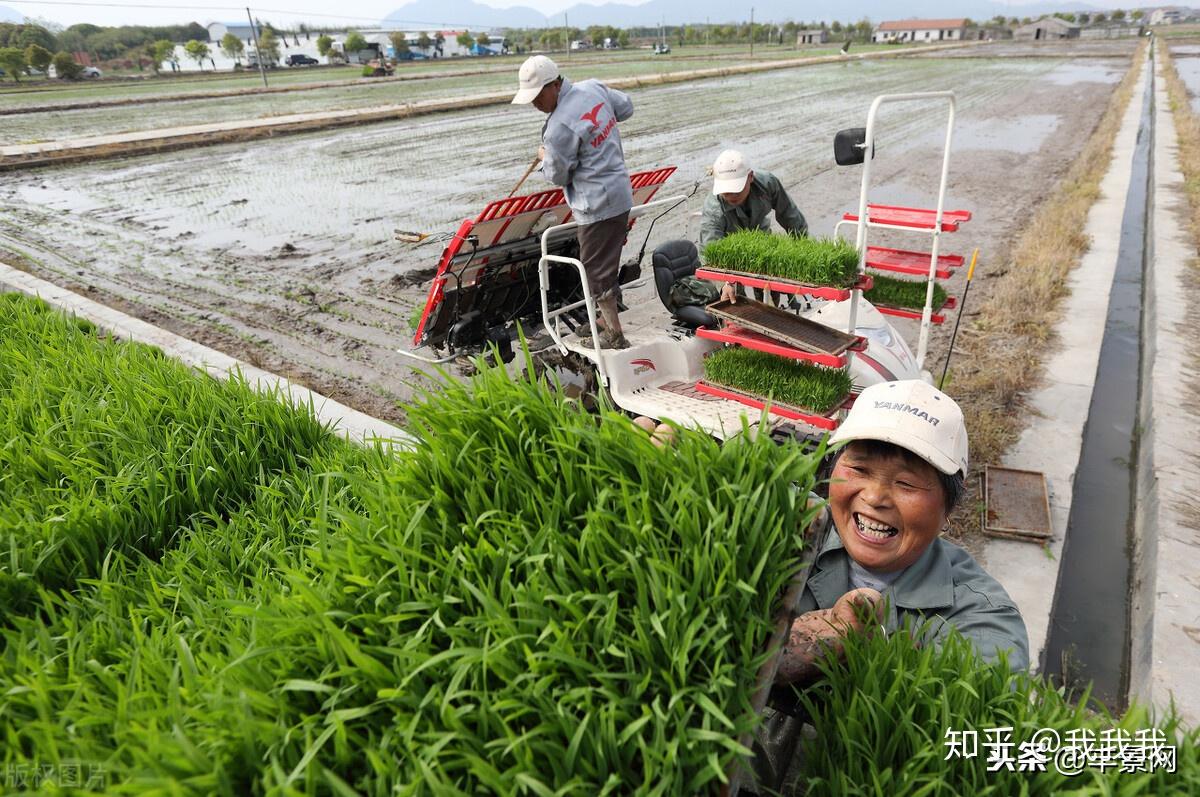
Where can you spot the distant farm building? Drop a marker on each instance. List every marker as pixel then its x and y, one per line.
pixel 1116 30
pixel 1046 28
pixel 814 36
pixel 921 30
pixel 1167 16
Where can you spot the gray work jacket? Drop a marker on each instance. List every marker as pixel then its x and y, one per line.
pixel 583 150
pixel 766 194
pixel 945 586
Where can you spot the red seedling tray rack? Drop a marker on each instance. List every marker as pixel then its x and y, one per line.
pixel 903 312
pixel 764 282
pixel 732 333
pixel 919 218
pixel 902 261
pixel 826 422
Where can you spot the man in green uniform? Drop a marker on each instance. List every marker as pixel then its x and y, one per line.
pixel 742 199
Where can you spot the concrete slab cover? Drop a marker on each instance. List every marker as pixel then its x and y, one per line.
pixel 355 425
pixel 1057 411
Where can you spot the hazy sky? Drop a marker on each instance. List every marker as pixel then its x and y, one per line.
pixel 360 12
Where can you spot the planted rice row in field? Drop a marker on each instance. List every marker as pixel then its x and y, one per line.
pixel 112 448
pixel 812 261
pixel 796 384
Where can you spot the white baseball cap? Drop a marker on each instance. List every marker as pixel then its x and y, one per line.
pixel 730 172
pixel 913 415
pixel 536 72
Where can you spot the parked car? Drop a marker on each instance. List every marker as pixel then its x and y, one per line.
pixel 90 72
pixel 301 60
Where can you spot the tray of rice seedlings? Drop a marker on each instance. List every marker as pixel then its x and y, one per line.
pixel 802 388
pixel 907 296
pixel 891 711
pixel 113 447
pixel 826 267
pixel 533 600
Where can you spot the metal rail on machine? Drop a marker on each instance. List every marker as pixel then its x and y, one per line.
pixel 864 220
pixel 549 317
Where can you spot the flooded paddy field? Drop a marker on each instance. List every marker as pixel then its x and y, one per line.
pixel 281 252
pixel 1186 58
pixel 15 95
pixel 41 125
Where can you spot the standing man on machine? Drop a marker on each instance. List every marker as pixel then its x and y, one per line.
pixel 741 199
pixel 581 151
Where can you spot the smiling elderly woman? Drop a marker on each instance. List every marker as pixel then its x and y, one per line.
pixel 893 486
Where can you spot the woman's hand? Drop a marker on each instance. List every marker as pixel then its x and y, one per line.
pixel 820 633
pixel 728 294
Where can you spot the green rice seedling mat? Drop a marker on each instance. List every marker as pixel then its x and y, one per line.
pixel 808 261
pixel 807 387
pixel 903 294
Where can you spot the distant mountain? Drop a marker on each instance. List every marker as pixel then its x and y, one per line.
pixel 462 14
pixel 471 14
pixel 9 15
pixel 675 12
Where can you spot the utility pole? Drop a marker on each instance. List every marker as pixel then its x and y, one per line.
pixel 567 33
pixel 751 31
pixel 706 31
pixel 258 50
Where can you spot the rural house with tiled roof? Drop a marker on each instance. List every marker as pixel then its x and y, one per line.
pixel 921 30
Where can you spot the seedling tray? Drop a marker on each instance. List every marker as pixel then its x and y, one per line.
pixel 827 422
pixel 789 328
pixel 779 285
pixel 902 261
pixel 907 312
pixel 747 338
pixel 916 218
pixel 1016 504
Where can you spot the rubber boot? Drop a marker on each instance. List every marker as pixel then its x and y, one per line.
pixel 611 337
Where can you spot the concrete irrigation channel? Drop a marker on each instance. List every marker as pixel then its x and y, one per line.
pixel 281 253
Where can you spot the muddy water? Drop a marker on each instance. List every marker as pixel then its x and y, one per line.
pixel 281 251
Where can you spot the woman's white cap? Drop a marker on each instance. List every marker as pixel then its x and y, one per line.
pixel 730 172
pixel 911 414
pixel 536 72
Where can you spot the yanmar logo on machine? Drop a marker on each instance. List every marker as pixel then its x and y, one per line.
pixel 642 366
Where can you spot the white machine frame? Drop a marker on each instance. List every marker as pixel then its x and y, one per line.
pixel 864 221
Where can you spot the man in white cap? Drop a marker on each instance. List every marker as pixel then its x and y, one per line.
pixel 892 490
pixel 581 151
pixel 742 199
